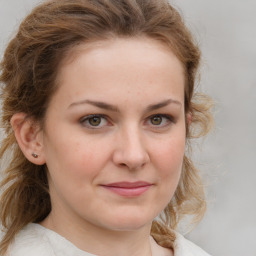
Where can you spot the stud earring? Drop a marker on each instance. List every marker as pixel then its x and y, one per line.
pixel 34 155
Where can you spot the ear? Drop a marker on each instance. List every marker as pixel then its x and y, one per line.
pixel 29 137
pixel 189 118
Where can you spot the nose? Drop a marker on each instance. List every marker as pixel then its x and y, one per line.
pixel 130 150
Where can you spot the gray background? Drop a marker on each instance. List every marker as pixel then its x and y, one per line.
pixel 226 31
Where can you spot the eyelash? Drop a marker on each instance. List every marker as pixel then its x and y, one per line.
pixel 85 120
pixel 169 119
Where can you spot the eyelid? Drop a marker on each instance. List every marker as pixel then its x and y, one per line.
pixel 169 118
pixel 86 118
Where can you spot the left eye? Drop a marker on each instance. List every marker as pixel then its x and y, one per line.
pixel 160 120
pixel 94 121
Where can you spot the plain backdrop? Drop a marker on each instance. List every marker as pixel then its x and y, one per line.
pixel 226 32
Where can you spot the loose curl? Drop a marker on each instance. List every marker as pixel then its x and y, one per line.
pixel 28 81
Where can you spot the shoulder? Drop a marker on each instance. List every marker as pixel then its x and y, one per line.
pixel 171 239
pixel 30 241
pixel 34 239
pixel 184 247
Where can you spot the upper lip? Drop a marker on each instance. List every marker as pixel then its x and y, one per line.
pixel 126 184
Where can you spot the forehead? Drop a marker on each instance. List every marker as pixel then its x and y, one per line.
pixel 125 45
pixel 120 66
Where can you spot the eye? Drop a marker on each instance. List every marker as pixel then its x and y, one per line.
pixel 156 120
pixel 94 121
pixel 160 120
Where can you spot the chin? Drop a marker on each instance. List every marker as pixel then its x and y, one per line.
pixel 129 222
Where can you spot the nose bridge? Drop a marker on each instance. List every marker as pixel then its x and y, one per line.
pixel 131 150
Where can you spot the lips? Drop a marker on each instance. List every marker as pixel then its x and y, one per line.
pixel 128 189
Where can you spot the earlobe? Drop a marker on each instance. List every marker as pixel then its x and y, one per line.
pixel 29 137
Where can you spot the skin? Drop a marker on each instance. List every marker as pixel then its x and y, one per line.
pixel 140 137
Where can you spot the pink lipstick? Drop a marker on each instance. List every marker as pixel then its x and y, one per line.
pixel 128 189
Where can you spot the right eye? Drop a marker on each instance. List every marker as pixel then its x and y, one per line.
pixel 94 121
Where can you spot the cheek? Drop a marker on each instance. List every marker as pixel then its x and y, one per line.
pixel 72 169
pixel 169 156
pixel 76 160
pixel 168 165
pixel 90 156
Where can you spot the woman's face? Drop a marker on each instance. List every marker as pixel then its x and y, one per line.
pixel 114 134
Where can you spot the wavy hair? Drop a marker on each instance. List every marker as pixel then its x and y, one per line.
pixel 28 80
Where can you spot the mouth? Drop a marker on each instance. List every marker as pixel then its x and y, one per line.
pixel 128 189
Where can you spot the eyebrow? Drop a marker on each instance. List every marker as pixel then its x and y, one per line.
pixel 162 104
pixel 98 104
pixel 113 108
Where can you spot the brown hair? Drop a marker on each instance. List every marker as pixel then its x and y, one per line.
pixel 28 80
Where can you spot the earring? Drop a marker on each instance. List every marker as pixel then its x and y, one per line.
pixel 34 155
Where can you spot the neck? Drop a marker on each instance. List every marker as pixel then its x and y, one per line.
pixel 100 241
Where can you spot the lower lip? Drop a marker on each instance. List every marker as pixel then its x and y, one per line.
pixel 128 192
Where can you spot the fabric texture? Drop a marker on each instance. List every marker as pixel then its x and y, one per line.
pixel 34 239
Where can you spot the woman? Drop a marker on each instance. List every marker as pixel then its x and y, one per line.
pixel 98 108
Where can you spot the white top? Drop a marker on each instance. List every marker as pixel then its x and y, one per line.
pixel 36 240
